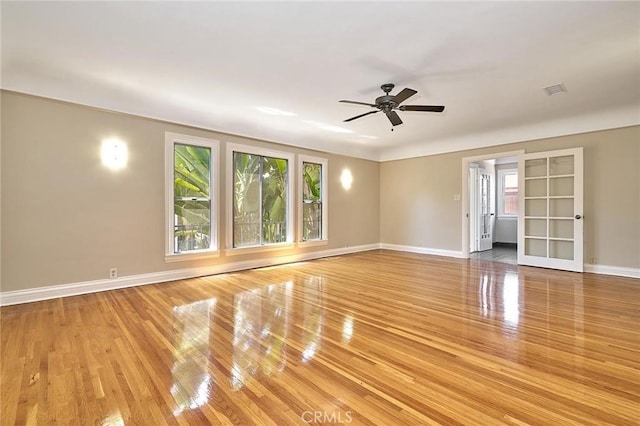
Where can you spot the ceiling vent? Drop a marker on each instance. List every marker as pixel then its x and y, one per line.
pixel 556 89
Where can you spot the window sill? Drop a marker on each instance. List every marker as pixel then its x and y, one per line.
pixel 312 243
pixel 257 249
pixel 182 257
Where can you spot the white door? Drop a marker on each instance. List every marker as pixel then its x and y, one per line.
pixel 550 209
pixel 485 217
pixel 473 209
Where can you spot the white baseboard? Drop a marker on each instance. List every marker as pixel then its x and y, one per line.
pixel 422 250
pixel 619 271
pixel 612 270
pixel 95 286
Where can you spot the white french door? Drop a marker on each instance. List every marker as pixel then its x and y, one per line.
pixel 485 217
pixel 550 225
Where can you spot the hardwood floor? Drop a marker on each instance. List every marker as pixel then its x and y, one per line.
pixel 380 337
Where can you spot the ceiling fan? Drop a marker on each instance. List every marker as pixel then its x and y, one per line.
pixel 390 103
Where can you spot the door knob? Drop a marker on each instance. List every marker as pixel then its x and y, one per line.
pixel 578 216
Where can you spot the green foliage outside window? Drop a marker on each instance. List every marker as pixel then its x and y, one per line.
pixel 192 198
pixel 260 200
pixel 311 201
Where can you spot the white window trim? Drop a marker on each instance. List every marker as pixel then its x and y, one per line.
pixel 170 139
pixel 325 200
pixel 291 173
pixel 500 197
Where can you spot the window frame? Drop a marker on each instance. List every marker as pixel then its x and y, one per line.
pixel 324 190
pixel 231 148
pixel 500 198
pixel 171 140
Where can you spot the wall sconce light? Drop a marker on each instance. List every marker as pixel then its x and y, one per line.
pixel 114 153
pixel 347 179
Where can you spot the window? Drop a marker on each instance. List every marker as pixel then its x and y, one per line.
pixel 313 209
pixel 508 192
pixel 190 199
pixel 260 209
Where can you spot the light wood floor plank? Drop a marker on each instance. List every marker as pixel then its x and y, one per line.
pixel 379 338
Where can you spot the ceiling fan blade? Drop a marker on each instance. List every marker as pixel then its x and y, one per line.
pixel 360 116
pixel 394 118
pixel 429 108
pixel 404 95
pixel 358 103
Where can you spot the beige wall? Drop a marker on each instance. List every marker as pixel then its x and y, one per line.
pixel 418 206
pixel 67 219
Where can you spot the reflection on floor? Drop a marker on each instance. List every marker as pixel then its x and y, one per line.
pixel 373 338
pixel 503 253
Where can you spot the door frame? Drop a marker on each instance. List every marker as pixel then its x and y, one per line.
pixel 464 210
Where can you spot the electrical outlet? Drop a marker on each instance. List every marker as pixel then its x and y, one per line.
pixel 113 273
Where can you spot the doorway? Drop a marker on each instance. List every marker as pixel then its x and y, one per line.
pixel 549 224
pixel 490 207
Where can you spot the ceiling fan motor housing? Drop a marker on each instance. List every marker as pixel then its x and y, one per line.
pixel 386 103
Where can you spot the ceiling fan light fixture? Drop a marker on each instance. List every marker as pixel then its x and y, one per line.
pixel 556 89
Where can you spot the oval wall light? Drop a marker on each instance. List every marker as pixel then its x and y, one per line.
pixel 347 179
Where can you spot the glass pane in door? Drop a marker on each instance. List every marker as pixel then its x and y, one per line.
pixel 561 249
pixel 561 228
pixel 535 168
pixel 561 186
pixel 535 247
pixel 536 187
pixel 561 207
pixel 561 165
pixel 535 207
pixel 535 227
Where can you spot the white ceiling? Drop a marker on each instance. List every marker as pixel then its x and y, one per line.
pixel 212 64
